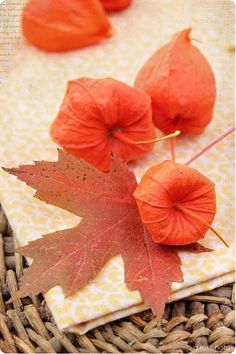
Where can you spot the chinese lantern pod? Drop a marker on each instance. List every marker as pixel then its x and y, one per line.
pixel 99 117
pixel 181 84
pixel 115 5
pixel 61 25
pixel 165 192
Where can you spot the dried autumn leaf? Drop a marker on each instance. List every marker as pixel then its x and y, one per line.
pixel 5 347
pixel 115 5
pixel 99 117
pixel 195 247
pixel 111 225
pixel 61 25
pixel 181 84
pixel 176 203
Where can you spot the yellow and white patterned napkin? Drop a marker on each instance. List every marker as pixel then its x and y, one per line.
pixel 30 98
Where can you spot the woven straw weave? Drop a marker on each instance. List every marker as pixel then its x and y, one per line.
pixel 203 323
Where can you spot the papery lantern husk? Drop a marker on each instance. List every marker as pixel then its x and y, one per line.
pixel 181 84
pixel 94 111
pixel 62 25
pixel 115 5
pixel 166 195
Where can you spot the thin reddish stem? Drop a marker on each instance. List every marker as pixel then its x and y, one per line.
pixel 121 136
pixel 210 146
pixel 172 147
pixel 201 220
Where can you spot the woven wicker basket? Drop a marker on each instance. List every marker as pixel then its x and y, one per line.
pixel 202 323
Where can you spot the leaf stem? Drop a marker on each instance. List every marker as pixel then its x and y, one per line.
pixel 209 146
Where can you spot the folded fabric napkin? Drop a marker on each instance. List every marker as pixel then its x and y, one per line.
pixel 30 98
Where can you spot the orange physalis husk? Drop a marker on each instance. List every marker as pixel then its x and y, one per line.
pixel 181 84
pixel 99 117
pixel 176 203
pixel 61 25
pixel 115 5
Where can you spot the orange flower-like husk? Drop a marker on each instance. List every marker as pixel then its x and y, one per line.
pixel 181 84
pixel 115 5
pixel 162 189
pixel 91 109
pixel 61 25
